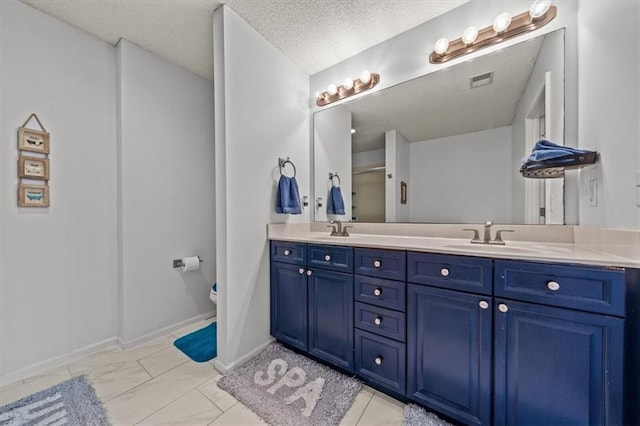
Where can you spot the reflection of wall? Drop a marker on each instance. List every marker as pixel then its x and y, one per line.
pixel 397 165
pixel 368 158
pixel 609 93
pixel 550 58
pixel 368 198
pixel 332 153
pixel 450 176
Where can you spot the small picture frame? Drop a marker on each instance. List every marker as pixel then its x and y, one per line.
pixel 33 140
pixel 33 167
pixel 33 195
pixel 403 192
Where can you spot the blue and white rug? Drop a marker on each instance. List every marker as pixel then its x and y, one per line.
pixel 73 402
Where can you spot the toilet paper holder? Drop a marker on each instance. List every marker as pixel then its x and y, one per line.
pixel 177 263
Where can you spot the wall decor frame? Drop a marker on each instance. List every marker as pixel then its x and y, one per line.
pixel 33 140
pixel 33 167
pixel 33 195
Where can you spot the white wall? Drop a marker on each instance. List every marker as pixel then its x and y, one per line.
pixel 332 153
pixel 398 166
pixel 550 59
pixel 609 93
pixel 449 176
pixel 261 113
pixel 58 265
pixel 166 159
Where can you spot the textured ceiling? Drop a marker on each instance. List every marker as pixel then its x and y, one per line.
pixel 443 104
pixel 315 34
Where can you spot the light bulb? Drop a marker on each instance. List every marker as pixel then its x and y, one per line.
pixel 502 22
pixel 347 84
pixel 470 35
pixel 332 89
pixel 365 77
pixel 353 131
pixel 539 8
pixel 441 46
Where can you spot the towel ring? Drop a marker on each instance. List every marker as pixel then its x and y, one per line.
pixel 334 175
pixel 282 163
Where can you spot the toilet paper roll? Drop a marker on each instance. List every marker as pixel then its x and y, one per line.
pixel 190 263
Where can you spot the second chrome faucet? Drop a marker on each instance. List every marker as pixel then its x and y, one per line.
pixel 486 239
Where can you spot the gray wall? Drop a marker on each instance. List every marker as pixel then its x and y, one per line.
pixel 166 158
pixel 261 113
pixel 462 179
pixel 58 265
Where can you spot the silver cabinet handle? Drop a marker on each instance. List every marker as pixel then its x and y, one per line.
pixel 444 272
pixel 503 308
pixel 327 257
pixel 483 304
pixel 377 263
pixel 309 272
pixel 553 286
pixel 377 292
pixel 287 252
pixel 377 321
pixel 378 360
pixel 301 270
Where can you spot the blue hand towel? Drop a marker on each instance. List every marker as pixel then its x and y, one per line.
pixel 335 203
pixel 288 197
pixel 545 150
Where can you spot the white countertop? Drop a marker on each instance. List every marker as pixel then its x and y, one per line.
pixel 534 251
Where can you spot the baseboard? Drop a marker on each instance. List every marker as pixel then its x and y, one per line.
pixel 55 362
pixel 128 344
pixel 227 368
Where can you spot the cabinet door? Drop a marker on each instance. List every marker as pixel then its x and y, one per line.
pixel 449 352
pixel 331 317
pixel 556 366
pixel 289 304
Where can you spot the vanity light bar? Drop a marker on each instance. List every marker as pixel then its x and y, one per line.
pixel 500 31
pixel 348 88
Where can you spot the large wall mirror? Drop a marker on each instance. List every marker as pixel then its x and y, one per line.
pixel 447 147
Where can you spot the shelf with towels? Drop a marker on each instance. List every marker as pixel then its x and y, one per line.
pixel 555 168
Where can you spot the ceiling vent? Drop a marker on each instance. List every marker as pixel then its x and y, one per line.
pixel 481 80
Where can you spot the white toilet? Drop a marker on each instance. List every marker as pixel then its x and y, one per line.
pixel 213 295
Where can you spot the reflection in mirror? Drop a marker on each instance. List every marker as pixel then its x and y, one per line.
pixel 452 140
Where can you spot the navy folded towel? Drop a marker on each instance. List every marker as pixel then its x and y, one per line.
pixel 335 203
pixel 288 197
pixel 545 150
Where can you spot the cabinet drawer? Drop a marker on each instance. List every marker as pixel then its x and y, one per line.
pixel 283 251
pixel 583 288
pixel 379 292
pixel 473 274
pixel 381 263
pixel 331 257
pixel 384 322
pixel 381 361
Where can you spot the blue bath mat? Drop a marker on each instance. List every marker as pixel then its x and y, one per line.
pixel 200 345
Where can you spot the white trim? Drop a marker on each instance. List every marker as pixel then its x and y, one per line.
pixel 227 368
pixel 125 345
pixel 56 362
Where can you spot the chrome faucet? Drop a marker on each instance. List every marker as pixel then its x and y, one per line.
pixel 337 230
pixel 486 238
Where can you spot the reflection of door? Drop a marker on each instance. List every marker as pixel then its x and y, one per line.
pixel 368 195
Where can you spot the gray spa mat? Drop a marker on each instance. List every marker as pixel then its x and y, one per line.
pixel 414 415
pixel 288 389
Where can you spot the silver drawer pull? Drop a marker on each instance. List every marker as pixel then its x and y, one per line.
pixel 309 272
pixel 327 257
pixel 301 270
pixel 287 252
pixel 377 292
pixel 378 360
pixel 444 272
pixel 483 304
pixel 503 308
pixel 377 321
pixel 553 286
pixel 377 263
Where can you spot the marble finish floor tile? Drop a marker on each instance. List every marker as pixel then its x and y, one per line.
pixel 219 397
pixel 33 384
pixel 114 378
pixel 383 411
pixel 192 409
pixel 137 404
pixel 239 414
pixel 358 406
pixel 164 360
pixel 193 327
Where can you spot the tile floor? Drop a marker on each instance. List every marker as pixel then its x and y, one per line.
pixel 155 384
